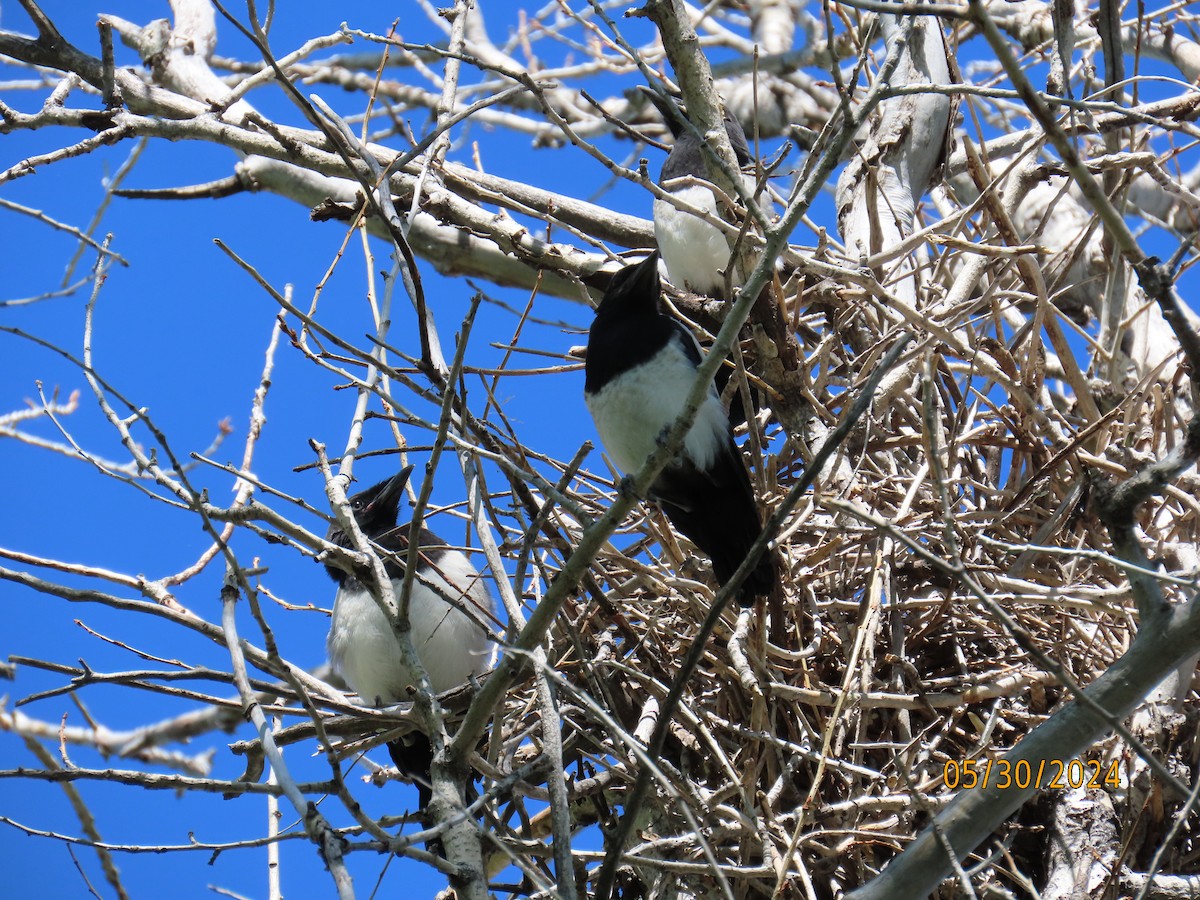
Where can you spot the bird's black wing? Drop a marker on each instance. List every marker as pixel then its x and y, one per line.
pixel 396 541
pixel 716 510
pixel 737 139
pixel 737 409
pixel 687 341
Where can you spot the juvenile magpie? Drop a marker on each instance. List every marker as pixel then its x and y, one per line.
pixel 447 611
pixel 695 253
pixel 640 366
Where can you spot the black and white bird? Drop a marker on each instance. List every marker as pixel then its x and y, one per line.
pixel 448 610
pixel 695 253
pixel 641 364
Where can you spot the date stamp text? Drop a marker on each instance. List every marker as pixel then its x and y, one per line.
pixel 1055 774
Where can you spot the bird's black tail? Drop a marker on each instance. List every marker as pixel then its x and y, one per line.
pixel 413 755
pixel 727 543
pixel 717 512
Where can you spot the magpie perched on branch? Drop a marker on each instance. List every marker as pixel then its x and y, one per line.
pixel 695 253
pixel 641 364
pixel 448 608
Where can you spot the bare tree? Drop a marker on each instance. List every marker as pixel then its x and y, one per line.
pixel 974 446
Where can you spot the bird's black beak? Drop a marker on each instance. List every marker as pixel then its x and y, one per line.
pixel 672 111
pixel 389 495
pixel 636 284
pixel 645 275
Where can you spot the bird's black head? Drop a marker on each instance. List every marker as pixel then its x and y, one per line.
pixel 629 327
pixel 685 158
pixel 669 108
pixel 635 286
pixel 375 510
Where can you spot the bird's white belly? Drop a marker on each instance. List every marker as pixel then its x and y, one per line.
pixel 452 646
pixel 633 408
pixel 692 250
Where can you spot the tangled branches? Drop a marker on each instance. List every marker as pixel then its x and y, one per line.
pixel 990 562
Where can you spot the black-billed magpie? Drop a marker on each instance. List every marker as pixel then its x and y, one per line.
pixel 641 364
pixel 447 612
pixel 695 253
